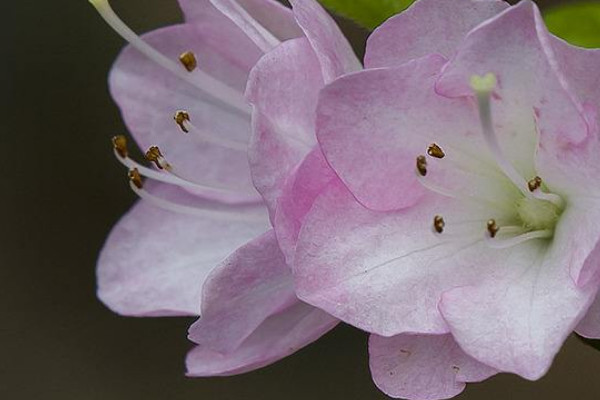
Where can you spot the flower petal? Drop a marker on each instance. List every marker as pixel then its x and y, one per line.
pixel 427 27
pixel 149 96
pixel 589 327
pixel 240 294
pixel 516 47
pixel 422 367
pixel 385 272
pixel 518 317
pixel 154 262
pixel 278 337
pixel 297 198
pixel 271 14
pixel 329 43
pixel 373 124
pixel 283 88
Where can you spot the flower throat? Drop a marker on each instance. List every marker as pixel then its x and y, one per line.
pixel 535 212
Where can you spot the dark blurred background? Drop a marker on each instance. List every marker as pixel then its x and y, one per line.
pixel 61 193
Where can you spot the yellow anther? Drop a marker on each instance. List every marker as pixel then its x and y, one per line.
pixel 438 223
pixel 181 117
pixel 120 145
pixel 435 151
pixel 154 155
pixel 422 165
pixel 188 59
pixel 492 228
pixel 136 178
pixel 534 184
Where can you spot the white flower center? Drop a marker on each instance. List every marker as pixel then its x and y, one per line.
pixel 519 209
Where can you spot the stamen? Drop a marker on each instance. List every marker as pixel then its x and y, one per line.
pixel 135 178
pixel 435 151
pixel 439 223
pixel 181 117
pixel 154 155
pixel 192 211
pixel 492 228
pixel 176 180
pixel 188 59
pixel 483 87
pixel 120 145
pixel 422 165
pixel 534 184
pixel 198 78
pixel 514 241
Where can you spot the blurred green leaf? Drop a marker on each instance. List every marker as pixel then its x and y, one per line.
pixel 590 342
pixel 367 13
pixel 577 23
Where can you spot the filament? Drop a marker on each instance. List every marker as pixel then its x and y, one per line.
pixel 193 211
pixel 197 78
pixel 173 179
pixel 256 32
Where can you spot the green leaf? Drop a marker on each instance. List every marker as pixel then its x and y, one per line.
pixel 590 342
pixel 577 23
pixel 368 13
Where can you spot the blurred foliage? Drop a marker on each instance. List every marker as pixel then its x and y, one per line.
pixel 576 22
pixel 367 13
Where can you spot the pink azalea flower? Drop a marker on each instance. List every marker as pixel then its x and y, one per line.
pixel 401 255
pixel 165 257
pixel 462 229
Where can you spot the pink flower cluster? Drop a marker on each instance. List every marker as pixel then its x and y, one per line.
pixel 444 197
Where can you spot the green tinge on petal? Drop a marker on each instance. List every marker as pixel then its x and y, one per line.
pixel 578 23
pixel 367 13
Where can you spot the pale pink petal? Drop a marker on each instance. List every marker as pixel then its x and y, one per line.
pixel 385 272
pixel 247 288
pixel 372 125
pixel 278 337
pixel 516 47
pixel 298 196
pixel 271 14
pixel 283 89
pixel 427 27
pixel 518 317
pixel 154 262
pixel 149 96
pixel 589 327
pixel 423 367
pixel 329 43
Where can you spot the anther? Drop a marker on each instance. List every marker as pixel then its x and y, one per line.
pixel 422 165
pixel 435 151
pixel 154 155
pixel 439 223
pixel 188 59
pixel 136 178
pixel 492 228
pixel 120 145
pixel 534 184
pixel 181 117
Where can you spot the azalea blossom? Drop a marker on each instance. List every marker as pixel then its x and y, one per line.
pixel 181 92
pixel 467 198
